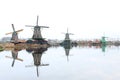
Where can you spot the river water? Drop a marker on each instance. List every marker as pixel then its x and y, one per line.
pixel 59 63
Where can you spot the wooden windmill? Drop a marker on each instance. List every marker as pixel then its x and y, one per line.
pixel 14 38
pixel 37 30
pixel 67 35
pixel 67 40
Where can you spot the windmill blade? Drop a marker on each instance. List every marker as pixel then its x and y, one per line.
pixel 37 20
pixel 44 26
pixel 8 33
pixel 37 71
pixel 29 26
pixel 67 30
pixel 19 30
pixel 29 66
pixel 19 59
pixel 71 34
pixel 12 32
pixel 13 62
pixel 13 27
pixel 44 64
pixel 12 58
pixel 8 57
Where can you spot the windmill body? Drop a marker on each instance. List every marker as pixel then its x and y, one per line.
pixel 37 36
pixel 37 33
pixel 14 37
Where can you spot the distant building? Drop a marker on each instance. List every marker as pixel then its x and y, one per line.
pixel 6 39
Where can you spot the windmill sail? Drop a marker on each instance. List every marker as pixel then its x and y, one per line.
pixel 37 21
pixel 16 31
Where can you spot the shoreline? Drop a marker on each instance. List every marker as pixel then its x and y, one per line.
pixel 20 46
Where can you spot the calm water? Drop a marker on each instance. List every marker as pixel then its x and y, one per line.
pixel 57 63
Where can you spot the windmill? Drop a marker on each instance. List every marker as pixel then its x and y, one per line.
pixel 37 55
pixel 37 30
pixel 103 43
pixel 103 40
pixel 67 40
pixel 67 35
pixel 14 38
pixel 14 56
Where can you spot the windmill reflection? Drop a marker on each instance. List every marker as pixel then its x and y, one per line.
pixel 67 50
pixel 103 48
pixel 14 56
pixel 37 55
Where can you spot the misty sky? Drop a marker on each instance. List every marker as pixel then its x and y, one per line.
pixel 86 19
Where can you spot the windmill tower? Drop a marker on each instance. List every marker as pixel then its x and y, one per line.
pixel 37 30
pixel 14 38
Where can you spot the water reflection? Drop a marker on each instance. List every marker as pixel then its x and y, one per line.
pixel 91 59
pixel 103 48
pixel 14 56
pixel 67 48
pixel 37 55
pixel 94 64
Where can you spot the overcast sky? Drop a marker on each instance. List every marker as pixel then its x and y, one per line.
pixel 86 19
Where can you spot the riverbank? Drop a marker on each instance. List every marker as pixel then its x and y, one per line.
pixel 1 48
pixel 20 46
